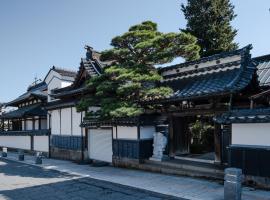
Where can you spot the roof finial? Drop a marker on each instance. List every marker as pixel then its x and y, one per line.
pixel 89 52
pixel 36 81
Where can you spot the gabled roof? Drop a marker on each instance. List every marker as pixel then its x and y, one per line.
pixel 219 74
pixel 27 111
pixel 37 91
pixel 63 72
pixel 89 67
pixel 245 116
pixel 263 71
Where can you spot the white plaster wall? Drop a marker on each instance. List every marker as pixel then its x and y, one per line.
pixel 53 84
pixel 36 124
pixel 29 124
pixel 127 132
pixel 41 143
pixel 20 142
pixel 76 122
pixel 23 128
pixel 114 132
pixel 55 80
pixel 55 122
pixel 147 132
pixel 65 84
pixel 251 134
pixel 66 121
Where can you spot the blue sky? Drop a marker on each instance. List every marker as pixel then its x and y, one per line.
pixel 35 34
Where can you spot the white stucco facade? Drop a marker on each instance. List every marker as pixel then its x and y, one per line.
pixel 20 142
pixel 131 132
pixel 66 121
pixel 251 134
pixel 55 80
pixel 127 132
pixel 41 143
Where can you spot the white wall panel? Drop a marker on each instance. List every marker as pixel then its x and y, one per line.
pixel 251 134
pixel 100 144
pixel 127 132
pixel 55 122
pixel 66 121
pixel 29 124
pixel 41 143
pixel 20 142
pixel 76 122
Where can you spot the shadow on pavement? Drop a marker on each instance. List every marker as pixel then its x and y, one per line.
pixel 80 189
pixel 13 168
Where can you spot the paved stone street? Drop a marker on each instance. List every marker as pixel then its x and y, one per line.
pixel 20 181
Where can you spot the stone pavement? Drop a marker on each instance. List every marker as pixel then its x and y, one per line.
pixel 19 181
pixel 184 187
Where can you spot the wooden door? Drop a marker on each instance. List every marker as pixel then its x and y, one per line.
pixel 181 135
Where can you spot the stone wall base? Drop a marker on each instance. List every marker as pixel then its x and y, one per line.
pixel 30 152
pixel 127 162
pixel 66 154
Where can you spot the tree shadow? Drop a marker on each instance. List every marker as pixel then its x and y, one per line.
pixel 13 168
pixel 80 189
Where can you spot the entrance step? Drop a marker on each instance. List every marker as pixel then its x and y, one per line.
pixel 185 168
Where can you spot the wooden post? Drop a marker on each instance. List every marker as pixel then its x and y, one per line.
pixel 39 123
pixel 171 137
pixel 24 124
pixel 217 141
pixel 33 123
pixel 251 104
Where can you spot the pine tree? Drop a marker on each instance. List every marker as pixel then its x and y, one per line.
pixel 209 21
pixel 132 77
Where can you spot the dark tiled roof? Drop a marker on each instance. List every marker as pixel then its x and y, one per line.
pixel 245 116
pixel 89 67
pixel 65 72
pixel 38 91
pixel 60 104
pixel 216 75
pixel 263 70
pixel 151 119
pixel 32 110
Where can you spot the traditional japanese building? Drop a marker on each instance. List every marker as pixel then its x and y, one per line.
pixel 68 139
pixel 26 126
pixel 249 130
pixel 203 89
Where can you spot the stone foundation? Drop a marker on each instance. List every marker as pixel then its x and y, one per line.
pixel 66 154
pixel 127 162
pixel 30 152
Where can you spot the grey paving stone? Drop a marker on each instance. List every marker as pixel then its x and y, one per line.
pixel 24 182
